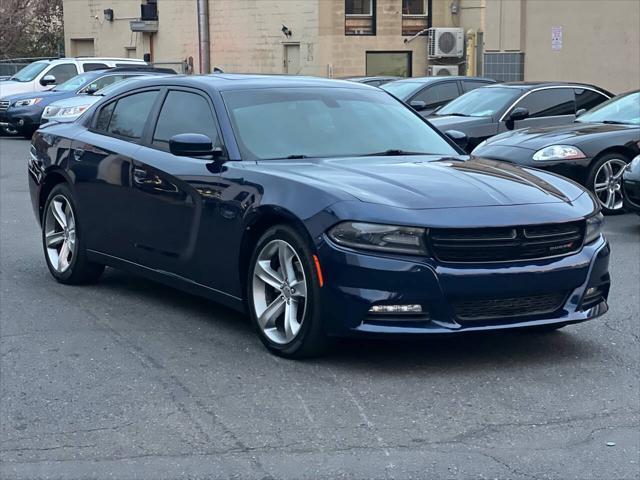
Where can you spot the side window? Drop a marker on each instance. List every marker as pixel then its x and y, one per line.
pixel 130 115
pixel 104 117
pixel 103 82
pixel 63 72
pixel 88 67
pixel 173 121
pixel 588 99
pixel 439 94
pixel 468 85
pixel 549 102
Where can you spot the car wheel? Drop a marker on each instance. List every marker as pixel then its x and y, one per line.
pixel 28 132
pixel 64 247
pixel 605 181
pixel 283 295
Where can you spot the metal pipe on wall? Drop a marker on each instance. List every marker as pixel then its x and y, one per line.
pixel 204 45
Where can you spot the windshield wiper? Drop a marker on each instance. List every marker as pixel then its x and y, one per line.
pixel 613 122
pixel 454 114
pixel 393 153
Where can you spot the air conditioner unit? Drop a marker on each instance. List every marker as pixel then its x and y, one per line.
pixel 446 42
pixel 443 70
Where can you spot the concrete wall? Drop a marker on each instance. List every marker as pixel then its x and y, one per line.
pixel 247 35
pixel 175 40
pixel 601 42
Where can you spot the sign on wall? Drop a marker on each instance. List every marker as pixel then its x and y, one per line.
pixel 556 38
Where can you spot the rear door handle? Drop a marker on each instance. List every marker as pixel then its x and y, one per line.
pixel 77 154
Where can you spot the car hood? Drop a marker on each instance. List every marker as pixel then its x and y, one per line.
pixel 424 182
pixel 47 95
pixel 76 101
pixel 11 87
pixel 535 138
pixel 448 122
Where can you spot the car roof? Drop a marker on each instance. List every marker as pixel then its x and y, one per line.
pixel 230 81
pixel 531 85
pixel 364 79
pixel 425 80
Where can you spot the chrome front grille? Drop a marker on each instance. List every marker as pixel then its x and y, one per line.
pixel 475 245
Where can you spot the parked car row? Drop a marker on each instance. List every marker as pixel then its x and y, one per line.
pixel 322 208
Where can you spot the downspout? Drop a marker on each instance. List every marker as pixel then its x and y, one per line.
pixel 204 46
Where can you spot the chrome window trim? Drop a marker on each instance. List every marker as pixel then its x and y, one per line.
pixel 574 87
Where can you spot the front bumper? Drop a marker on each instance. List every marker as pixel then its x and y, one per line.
pixel 631 195
pixel 354 281
pixel 23 118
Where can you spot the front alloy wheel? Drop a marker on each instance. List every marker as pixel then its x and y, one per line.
pixel 279 292
pixel 607 184
pixel 283 291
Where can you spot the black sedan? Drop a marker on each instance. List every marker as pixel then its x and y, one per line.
pixel 427 94
pixel 494 109
pixel 631 186
pixel 594 151
pixel 323 208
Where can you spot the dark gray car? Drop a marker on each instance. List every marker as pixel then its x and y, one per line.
pixel 426 94
pixel 487 111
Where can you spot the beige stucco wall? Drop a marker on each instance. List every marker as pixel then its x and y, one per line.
pixel 601 42
pixel 347 54
pixel 175 40
pixel 247 35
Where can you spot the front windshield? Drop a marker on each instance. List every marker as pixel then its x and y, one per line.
pixel 277 123
pixel 117 84
pixel 401 90
pixel 481 102
pixel 29 72
pixel 624 109
pixel 75 83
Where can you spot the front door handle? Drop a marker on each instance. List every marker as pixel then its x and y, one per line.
pixel 77 154
pixel 140 176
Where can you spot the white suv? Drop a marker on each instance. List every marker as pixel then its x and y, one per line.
pixel 44 74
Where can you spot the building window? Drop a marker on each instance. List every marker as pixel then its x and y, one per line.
pixel 395 64
pixel 359 17
pixel 415 16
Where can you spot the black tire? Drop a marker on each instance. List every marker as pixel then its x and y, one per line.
pixel 80 270
pixel 28 132
pixel 590 184
pixel 311 340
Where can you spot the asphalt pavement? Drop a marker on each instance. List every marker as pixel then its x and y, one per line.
pixel 129 379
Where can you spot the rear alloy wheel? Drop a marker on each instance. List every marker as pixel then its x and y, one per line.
pixel 606 182
pixel 282 293
pixel 63 246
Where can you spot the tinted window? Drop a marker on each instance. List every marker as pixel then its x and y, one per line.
pixel 130 115
pixel 102 82
pixel 63 72
pixel 173 121
pixel 104 117
pixel 481 102
pixel 588 99
pixel 468 85
pixel 94 66
pixel 438 95
pixel 549 102
pixel 402 90
pixel 274 123
pixel 621 109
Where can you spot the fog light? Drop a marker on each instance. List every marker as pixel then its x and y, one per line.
pixel 591 291
pixel 390 309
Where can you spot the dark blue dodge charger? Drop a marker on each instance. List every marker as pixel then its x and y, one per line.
pixel 322 208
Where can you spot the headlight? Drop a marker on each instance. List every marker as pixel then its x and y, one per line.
pixel 594 228
pixel 558 152
pixel 27 102
pixel 382 238
pixel 72 111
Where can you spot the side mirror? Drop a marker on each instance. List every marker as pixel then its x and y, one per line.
pixel 91 89
pixel 519 113
pixel 418 104
pixel 48 80
pixel 580 112
pixel 459 138
pixel 192 145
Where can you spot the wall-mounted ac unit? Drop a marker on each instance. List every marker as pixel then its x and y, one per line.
pixel 443 70
pixel 446 42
